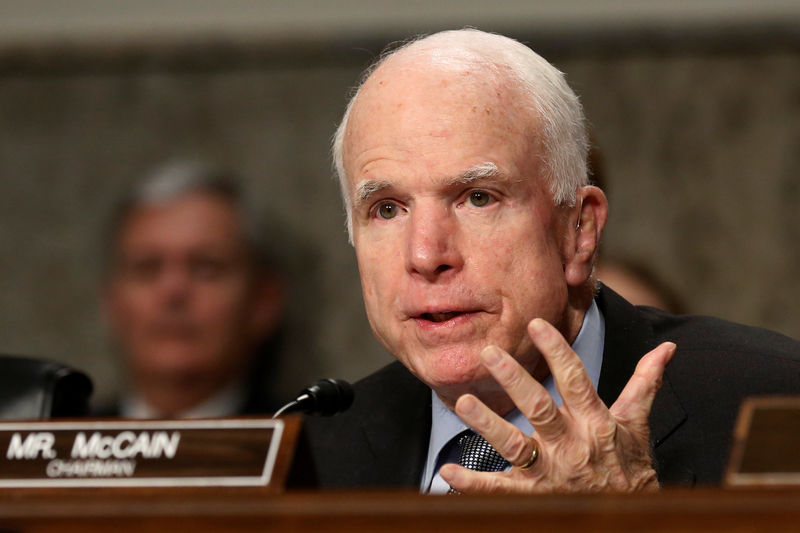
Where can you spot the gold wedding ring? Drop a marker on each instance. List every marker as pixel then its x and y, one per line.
pixel 534 456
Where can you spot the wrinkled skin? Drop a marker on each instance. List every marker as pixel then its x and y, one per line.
pixel 583 445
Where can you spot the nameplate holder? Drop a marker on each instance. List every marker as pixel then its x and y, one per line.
pixel 765 443
pixel 147 453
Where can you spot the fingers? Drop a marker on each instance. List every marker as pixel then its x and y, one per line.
pixel 633 405
pixel 530 397
pixel 585 446
pixel 568 372
pixel 509 441
pixel 471 482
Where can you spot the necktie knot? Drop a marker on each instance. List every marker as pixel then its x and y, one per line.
pixel 477 454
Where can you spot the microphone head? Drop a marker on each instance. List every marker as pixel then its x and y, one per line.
pixel 327 397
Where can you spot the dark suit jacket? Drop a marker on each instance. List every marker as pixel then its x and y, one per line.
pixel 382 440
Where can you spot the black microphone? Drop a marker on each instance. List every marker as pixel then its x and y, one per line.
pixel 326 397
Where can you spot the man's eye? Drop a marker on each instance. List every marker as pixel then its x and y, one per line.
pixel 142 269
pixel 479 199
pixel 387 211
pixel 207 269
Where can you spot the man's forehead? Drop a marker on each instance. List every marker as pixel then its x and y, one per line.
pixel 193 217
pixel 436 102
pixel 436 83
pixel 436 70
pixel 425 100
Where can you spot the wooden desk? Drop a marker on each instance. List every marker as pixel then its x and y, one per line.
pixel 700 510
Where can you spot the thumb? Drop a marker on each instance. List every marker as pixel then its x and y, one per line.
pixel 632 408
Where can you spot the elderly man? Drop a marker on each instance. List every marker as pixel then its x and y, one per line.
pixel 191 297
pixel 462 165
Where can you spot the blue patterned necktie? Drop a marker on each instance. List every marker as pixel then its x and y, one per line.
pixel 477 454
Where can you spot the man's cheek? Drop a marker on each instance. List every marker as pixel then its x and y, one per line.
pixel 369 292
pixel 376 282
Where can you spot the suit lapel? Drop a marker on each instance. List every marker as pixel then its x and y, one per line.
pixel 397 436
pixel 629 336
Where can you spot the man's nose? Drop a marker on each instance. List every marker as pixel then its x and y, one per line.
pixel 174 285
pixel 432 243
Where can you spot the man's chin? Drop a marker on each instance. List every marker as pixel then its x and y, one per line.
pixel 454 380
pixel 174 361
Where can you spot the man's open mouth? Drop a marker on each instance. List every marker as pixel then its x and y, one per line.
pixel 440 317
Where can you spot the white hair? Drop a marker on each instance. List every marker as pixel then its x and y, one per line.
pixel 562 130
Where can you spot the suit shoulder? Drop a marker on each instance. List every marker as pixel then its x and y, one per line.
pixel 714 335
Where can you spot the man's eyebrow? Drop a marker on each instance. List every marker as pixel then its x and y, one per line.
pixel 478 172
pixel 368 188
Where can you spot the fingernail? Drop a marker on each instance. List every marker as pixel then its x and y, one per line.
pixel 672 349
pixel 491 355
pixel 537 325
pixel 466 404
pixel 448 472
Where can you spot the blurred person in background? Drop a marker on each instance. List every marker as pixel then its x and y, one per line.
pixel 192 300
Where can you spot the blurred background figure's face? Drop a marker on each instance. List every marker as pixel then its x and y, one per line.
pixel 182 296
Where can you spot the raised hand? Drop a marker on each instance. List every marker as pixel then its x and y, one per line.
pixel 581 446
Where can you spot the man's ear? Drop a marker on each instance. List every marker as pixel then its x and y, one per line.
pixel 585 227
